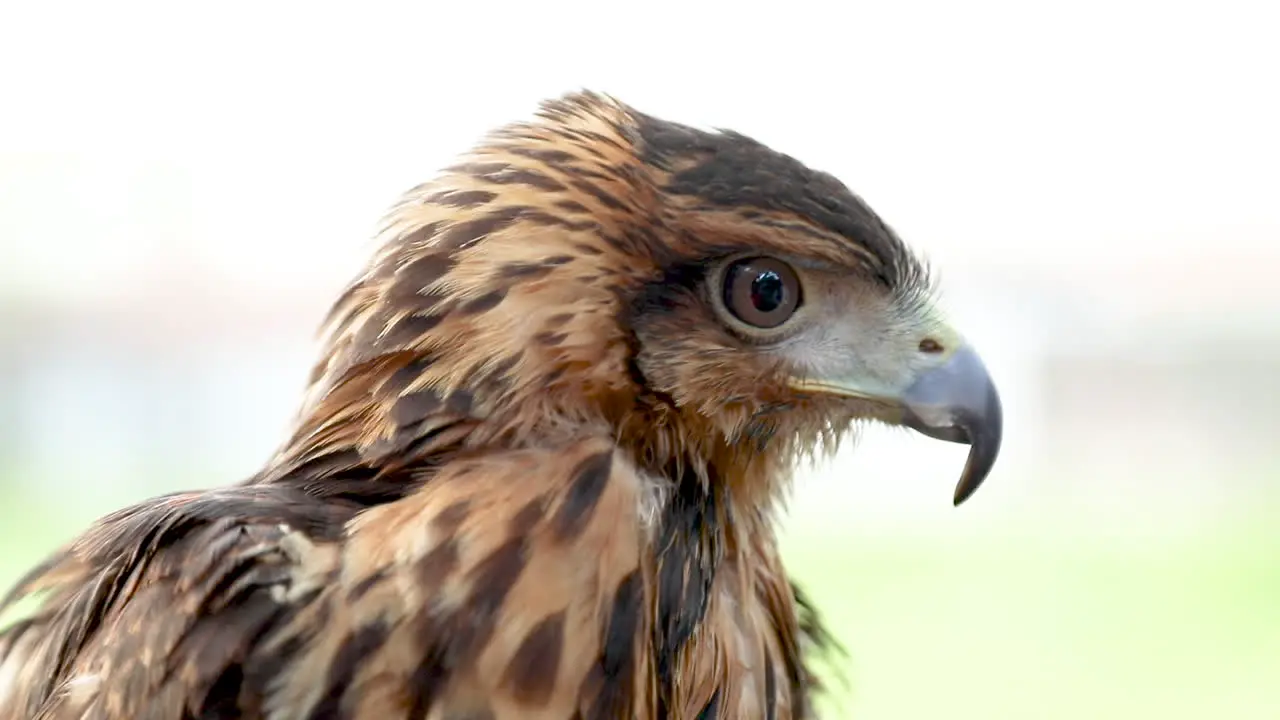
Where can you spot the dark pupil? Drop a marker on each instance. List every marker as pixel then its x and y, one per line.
pixel 767 291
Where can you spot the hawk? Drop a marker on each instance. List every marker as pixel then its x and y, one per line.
pixel 538 467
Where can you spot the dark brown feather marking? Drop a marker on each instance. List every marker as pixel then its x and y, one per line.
pixel 354 649
pixel 770 689
pixel 421 236
pixel 413 279
pixel 543 218
pixel 506 365
pixel 523 271
pixel 415 407
pixel 598 138
pixel 589 480
pixel 532 671
pixel 612 675
pixel 484 303
pixel 437 564
pixel 408 330
pixel 267 666
pixel 605 198
pixel 361 588
pixel 572 206
pixel 588 250
pixel 550 339
pixel 492 580
pixel 447 520
pixel 469 232
pixel 460 402
pixel 428 679
pixel 590 174
pixel 687 553
pixel 461 198
pixel 546 155
pixel 525 520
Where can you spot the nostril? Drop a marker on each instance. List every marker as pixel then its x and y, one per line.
pixel 931 346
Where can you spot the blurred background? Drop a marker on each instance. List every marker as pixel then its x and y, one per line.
pixel 184 190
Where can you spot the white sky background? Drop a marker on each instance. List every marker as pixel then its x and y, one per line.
pixel 247 149
pixel 1073 134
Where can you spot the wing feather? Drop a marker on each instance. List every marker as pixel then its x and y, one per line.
pixel 509 585
pixel 146 612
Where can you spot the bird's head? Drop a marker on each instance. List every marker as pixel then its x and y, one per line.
pixel 690 292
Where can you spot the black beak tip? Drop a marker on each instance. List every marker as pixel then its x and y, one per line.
pixel 964 490
pixel 984 433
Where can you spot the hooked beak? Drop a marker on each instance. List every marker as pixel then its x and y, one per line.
pixel 957 401
pixel 954 401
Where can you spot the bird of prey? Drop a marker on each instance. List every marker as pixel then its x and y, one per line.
pixel 538 467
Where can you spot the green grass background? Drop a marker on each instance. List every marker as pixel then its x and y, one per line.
pixel 1019 622
pixel 1010 625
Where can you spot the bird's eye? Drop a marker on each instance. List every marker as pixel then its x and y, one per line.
pixel 761 292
